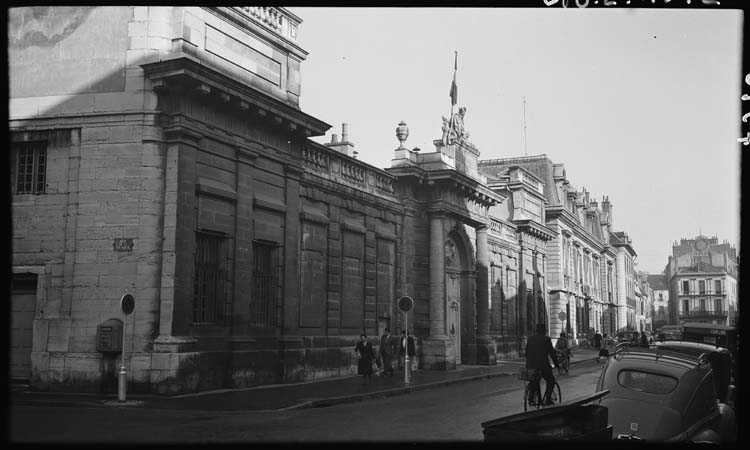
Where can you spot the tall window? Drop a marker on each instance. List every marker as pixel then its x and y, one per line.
pixel 686 287
pixel 210 278
pixel 717 305
pixel 701 286
pixel 31 167
pixel 685 306
pixel 265 284
pixel 717 286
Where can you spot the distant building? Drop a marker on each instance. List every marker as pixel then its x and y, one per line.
pixel 660 289
pixel 703 281
pixel 626 281
pixel 580 268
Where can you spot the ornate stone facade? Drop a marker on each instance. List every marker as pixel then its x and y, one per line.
pixel 183 175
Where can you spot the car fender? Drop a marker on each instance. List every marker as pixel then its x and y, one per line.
pixel 727 423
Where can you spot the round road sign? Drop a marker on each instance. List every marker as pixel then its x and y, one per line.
pixel 405 303
pixel 127 303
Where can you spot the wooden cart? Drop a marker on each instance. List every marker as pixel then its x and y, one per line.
pixel 577 419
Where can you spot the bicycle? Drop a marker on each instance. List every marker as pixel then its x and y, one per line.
pixel 564 358
pixel 533 397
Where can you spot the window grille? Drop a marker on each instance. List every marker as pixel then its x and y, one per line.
pixel 265 284
pixel 31 167
pixel 210 278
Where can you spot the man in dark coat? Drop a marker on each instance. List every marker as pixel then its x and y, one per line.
pixel 597 340
pixel 539 350
pixel 406 345
pixel 386 352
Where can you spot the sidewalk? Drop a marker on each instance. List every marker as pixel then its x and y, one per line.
pixel 282 397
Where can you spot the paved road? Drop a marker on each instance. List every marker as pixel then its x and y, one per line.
pixel 451 413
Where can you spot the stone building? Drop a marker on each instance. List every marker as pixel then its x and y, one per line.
pixel 703 281
pixel 626 281
pixel 580 276
pixel 660 300
pixel 161 152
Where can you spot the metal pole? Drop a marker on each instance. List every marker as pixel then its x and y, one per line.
pixel 406 348
pixel 122 374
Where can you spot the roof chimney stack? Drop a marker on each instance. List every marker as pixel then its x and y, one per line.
pixel 344 146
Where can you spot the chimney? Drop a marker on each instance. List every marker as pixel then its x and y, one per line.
pixel 344 146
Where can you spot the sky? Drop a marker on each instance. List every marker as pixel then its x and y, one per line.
pixel 640 105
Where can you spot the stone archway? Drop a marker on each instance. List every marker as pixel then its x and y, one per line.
pixel 459 301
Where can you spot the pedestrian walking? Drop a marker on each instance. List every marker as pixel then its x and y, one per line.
pixel 644 339
pixel 386 352
pixel 539 351
pixel 366 356
pixel 597 340
pixel 406 347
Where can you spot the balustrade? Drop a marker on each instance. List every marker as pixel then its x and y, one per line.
pixel 272 18
pixel 351 171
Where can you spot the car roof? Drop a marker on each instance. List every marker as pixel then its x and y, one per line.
pixel 696 348
pixel 688 369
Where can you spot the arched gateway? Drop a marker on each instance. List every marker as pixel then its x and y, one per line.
pixel 452 204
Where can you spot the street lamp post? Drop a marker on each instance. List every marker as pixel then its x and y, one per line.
pixel 405 304
pixel 127 304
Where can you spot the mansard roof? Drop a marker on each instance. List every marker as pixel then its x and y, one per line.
pixel 657 282
pixel 540 166
pixel 700 268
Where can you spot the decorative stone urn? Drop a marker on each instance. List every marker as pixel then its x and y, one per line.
pixel 402 132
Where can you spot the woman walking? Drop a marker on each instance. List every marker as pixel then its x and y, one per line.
pixel 366 355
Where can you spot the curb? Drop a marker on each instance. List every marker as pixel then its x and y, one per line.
pixel 321 403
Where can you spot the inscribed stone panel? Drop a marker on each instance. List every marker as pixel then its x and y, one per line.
pixel 313 274
pixel 352 273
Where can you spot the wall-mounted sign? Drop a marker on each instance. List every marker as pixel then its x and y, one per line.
pixel 123 244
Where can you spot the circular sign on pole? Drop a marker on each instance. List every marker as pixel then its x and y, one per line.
pixel 127 303
pixel 562 315
pixel 405 303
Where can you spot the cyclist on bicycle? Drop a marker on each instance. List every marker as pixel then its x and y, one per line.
pixel 563 346
pixel 539 350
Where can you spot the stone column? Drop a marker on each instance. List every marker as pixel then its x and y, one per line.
pixel 437 278
pixel 437 351
pixel 486 349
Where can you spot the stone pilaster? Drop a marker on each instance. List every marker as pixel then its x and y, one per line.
pixel 486 349
pixel 437 278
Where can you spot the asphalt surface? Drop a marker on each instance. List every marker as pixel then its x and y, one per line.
pixel 281 397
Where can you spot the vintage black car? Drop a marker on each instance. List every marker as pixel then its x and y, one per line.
pixel 672 392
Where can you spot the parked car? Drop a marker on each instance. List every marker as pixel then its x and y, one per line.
pixel 628 336
pixel 668 393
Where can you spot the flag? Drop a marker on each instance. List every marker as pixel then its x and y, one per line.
pixel 454 86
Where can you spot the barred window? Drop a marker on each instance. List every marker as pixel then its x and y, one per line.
pixel 266 268
pixel 31 167
pixel 210 278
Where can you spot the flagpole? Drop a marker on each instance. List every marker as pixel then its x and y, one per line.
pixel 453 85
